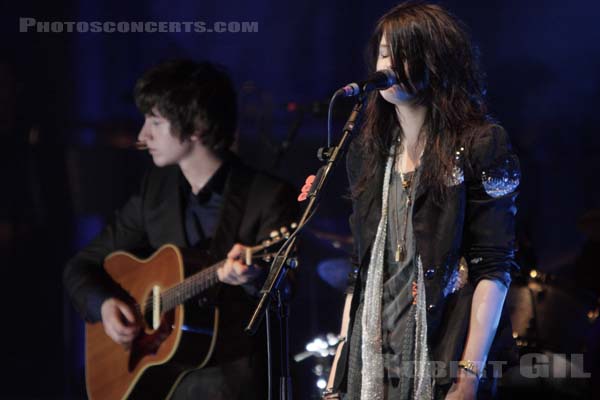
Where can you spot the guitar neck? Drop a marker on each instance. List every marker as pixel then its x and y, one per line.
pixel 204 279
pixel 190 287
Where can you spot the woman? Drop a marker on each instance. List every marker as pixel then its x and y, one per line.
pixel 433 183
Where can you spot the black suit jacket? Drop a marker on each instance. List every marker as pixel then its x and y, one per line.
pixel 254 205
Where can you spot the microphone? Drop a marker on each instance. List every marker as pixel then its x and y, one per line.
pixel 380 80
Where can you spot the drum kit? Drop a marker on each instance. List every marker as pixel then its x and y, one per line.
pixel 554 324
pixel 556 327
pixel 549 314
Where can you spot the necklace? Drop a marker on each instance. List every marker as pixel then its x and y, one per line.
pixel 407 188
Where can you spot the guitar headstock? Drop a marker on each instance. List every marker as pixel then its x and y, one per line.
pixel 268 247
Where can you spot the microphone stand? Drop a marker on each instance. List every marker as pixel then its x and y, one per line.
pixel 281 264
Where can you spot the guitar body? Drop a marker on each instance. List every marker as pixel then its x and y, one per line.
pixel 170 345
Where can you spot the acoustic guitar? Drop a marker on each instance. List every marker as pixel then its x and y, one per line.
pixel 173 339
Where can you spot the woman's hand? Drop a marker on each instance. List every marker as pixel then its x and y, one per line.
pixel 465 388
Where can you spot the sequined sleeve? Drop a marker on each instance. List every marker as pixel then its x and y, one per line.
pixel 492 182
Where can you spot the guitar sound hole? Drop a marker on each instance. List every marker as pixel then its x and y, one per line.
pixel 147 316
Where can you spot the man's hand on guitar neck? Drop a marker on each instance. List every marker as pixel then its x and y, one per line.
pixel 119 320
pixel 235 271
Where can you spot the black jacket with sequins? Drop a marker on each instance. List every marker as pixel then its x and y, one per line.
pixel 475 224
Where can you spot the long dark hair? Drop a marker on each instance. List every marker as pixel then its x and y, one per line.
pixel 437 51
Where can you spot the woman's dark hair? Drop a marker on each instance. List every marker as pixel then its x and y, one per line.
pixel 437 52
pixel 194 97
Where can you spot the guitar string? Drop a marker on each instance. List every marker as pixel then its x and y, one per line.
pixel 185 287
pixel 188 288
pixel 193 279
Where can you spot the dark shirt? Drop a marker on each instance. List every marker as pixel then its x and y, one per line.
pixel 202 210
pixel 202 213
pixel 398 314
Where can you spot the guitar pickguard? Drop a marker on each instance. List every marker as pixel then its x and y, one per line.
pixel 148 344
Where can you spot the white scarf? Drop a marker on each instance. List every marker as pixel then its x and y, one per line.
pixel 371 350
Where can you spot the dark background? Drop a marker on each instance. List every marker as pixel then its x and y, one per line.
pixel 67 120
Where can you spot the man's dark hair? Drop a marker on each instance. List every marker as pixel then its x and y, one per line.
pixel 194 97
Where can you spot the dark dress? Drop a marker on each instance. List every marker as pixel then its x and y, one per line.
pixel 398 313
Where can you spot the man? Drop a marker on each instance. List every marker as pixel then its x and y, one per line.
pixel 200 195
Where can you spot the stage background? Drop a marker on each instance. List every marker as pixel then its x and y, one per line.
pixel 67 117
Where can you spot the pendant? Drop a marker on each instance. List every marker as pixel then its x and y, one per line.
pixel 400 253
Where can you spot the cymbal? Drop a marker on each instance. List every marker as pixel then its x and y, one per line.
pixel 342 242
pixel 334 272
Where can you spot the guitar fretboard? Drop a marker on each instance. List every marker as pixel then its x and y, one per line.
pixel 197 283
pixel 190 287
